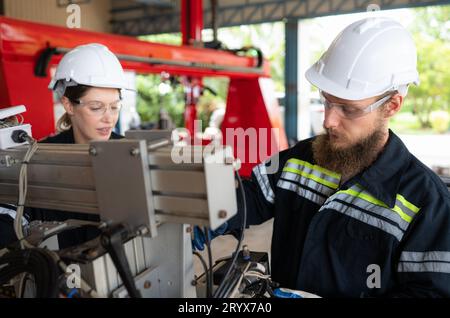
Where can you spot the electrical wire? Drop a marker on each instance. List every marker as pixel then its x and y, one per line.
pixel 83 285
pixel 232 282
pixel 236 288
pixel 18 221
pixel 220 291
pixel 12 121
pixel 205 268
pixel 210 276
pixel 23 283
pixel 34 261
pixel 23 183
pixel 256 274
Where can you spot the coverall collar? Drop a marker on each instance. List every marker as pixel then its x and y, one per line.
pixel 383 177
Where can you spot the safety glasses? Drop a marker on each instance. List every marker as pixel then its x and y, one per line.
pixel 98 108
pixel 352 112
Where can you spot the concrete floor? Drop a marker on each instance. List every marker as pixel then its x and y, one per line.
pixel 257 238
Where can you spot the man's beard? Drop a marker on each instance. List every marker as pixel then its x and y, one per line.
pixel 351 160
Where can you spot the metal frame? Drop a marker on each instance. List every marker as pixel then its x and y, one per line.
pixel 126 181
pixel 65 3
pixel 291 77
pixel 137 183
pixel 162 267
pixel 252 12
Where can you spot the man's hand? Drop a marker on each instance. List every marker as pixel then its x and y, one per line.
pixel 199 240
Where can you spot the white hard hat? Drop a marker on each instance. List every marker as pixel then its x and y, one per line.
pixel 92 65
pixel 368 58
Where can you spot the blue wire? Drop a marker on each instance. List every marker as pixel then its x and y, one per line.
pixel 72 293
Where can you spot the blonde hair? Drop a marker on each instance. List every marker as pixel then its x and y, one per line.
pixel 64 123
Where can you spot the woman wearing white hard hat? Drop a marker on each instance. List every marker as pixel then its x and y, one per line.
pixel 88 80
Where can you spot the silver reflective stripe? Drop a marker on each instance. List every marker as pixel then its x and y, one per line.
pixel 263 182
pixel 373 208
pixel 312 171
pixel 309 195
pixel 12 214
pixel 307 182
pixel 434 256
pixel 405 210
pixel 365 218
pixel 434 267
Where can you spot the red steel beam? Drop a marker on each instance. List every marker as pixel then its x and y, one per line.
pixel 24 41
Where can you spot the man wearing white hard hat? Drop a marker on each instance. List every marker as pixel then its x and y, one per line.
pixel 355 213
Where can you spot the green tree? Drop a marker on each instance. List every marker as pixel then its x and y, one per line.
pixel 155 94
pixel 432 22
pixel 152 98
pixel 268 37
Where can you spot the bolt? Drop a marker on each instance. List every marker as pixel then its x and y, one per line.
pixel 245 252
pixel 92 151
pixel 92 253
pixel 188 229
pixel 194 282
pixel 147 284
pixel 104 240
pixel 102 225
pixel 134 152
pixel 142 230
pixel 222 214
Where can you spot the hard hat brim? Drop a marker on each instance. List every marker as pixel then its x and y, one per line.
pixel 334 89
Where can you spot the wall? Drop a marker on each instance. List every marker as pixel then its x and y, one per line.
pixel 95 14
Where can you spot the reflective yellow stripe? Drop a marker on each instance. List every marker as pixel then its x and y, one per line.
pixel 408 204
pixel 315 167
pixel 402 214
pixel 375 201
pixel 366 197
pixel 312 177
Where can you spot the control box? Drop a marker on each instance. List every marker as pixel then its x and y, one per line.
pixel 7 127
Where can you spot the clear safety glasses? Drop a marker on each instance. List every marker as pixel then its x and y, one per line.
pixel 98 108
pixel 352 112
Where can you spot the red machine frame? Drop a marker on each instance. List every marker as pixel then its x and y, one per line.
pixel 22 45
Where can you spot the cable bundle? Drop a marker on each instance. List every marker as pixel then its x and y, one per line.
pixel 11 121
pixel 23 181
pixel 36 262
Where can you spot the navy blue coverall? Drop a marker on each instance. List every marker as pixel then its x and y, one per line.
pixel 384 232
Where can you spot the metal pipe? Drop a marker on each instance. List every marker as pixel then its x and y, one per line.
pixel 194 65
pixel 214 19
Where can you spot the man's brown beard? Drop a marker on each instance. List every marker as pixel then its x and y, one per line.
pixel 351 160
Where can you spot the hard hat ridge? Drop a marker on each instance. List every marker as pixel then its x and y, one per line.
pixel 92 65
pixel 368 58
